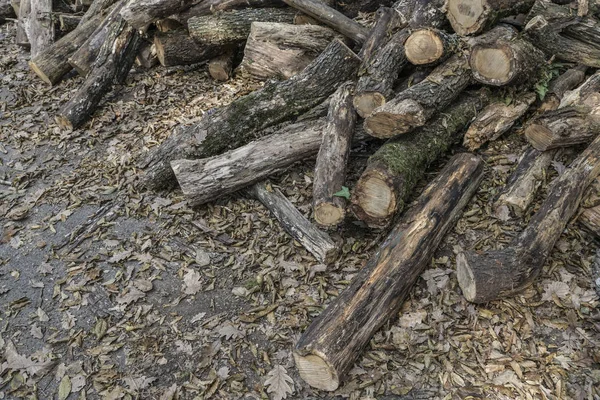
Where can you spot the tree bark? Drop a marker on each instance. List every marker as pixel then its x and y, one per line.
pixel 554 31
pixel 67 22
pixel 414 106
pixel 146 56
pixel 21 38
pixel 395 169
pixel 208 7
pixel 280 51
pixel 316 242
pixel 496 119
pixel 141 13
pixel 111 66
pixel 52 64
pixel 232 27
pixel 332 18
pixel 430 46
pixel 506 62
pixel 353 7
pixel 561 85
pixel 336 338
pixel 220 68
pixel 238 123
pixel 97 7
pixel 178 48
pixel 495 274
pixel 387 22
pixel 590 210
pixel 330 169
pixel 585 94
pixel 169 24
pixel 38 24
pixel 471 17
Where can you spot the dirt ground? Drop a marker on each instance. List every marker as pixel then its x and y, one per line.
pixel 111 293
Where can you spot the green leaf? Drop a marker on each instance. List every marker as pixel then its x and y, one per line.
pixel 345 193
pixel 541 90
pixel 64 389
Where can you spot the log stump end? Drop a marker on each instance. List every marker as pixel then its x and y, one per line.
pixel 315 371
pixel 365 103
pixel 398 119
pixel 39 72
pixel 374 199
pixel 467 16
pixel 493 64
pixel 423 47
pixel 329 214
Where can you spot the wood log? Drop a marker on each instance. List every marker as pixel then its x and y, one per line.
pixel 220 68
pixel 561 85
pixel 496 119
pixel 112 65
pixel 316 242
pixel 52 64
pixel 330 169
pixel 38 24
pixel 276 50
pixel 524 182
pixel 430 46
pixel 418 75
pixel 414 106
pixel 495 274
pixel 178 48
pixel 6 11
pixel 208 7
pixel 506 62
pixel 589 215
pixel 353 7
pixel 554 31
pixel 564 127
pixel 83 58
pixel 141 13
pixel 422 13
pixel 332 18
pixel 232 27
pixel 336 338
pixel 97 7
pixel 67 22
pixel 585 94
pixel 395 169
pixel 471 17
pixel 21 38
pixel 387 21
pixel 238 123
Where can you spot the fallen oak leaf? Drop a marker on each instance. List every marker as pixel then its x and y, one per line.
pixel 278 383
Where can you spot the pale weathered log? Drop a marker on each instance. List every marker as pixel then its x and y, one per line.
pixel 207 7
pixel 470 17
pixel 430 46
pixel 38 24
pixel 316 242
pixel 277 50
pixel 332 18
pixel 178 48
pixel 232 27
pixel 496 119
pixel 585 94
pixel 97 7
pixel 395 169
pixel 496 274
pixel 336 338
pixel 220 68
pixel 414 106
pixel 330 169
pixel 561 85
pixel 141 13
pixel 238 123
pixel 52 64
pixel 66 22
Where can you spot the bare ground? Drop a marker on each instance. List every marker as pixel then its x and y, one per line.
pixel 160 301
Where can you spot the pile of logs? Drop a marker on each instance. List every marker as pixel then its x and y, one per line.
pixel 427 75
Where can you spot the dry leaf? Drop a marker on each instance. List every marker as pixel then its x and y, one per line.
pixel 64 389
pixel 278 383
pixel 192 282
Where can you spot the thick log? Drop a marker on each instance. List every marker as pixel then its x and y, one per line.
pixel 555 31
pixel 387 21
pixel 524 182
pixel 52 64
pixel 564 127
pixel 97 7
pixel 238 123
pixel 178 48
pixel 38 24
pixel 585 94
pixel 336 338
pixel 141 13
pixel 332 18
pixel 232 27
pixel 208 179
pixel 414 106
pixel 430 46
pixel 330 169
pixel 276 50
pixel 395 169
pixel 470 17
pixel 561 85
pixel 220 68
pixel 506 62
pixel 6 11
pixel 208 7
pixel 495 120
pixel 495 274
pixel 112 65
pixel 316 242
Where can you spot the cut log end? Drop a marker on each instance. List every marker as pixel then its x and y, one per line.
pixel 329 214
pixel 539 136
pixel 160 51
pixel 405 116
pixel 63 122
pixel 465 277
pixel 493 64
pixel 315 371
pixel 39 72
pixel 364 103
pixel 467 16
pixel 423 47
pixel 374 200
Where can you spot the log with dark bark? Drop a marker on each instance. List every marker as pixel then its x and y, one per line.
pixel 208 179
pixel 52 64
pixel 470 17
pixel 395 169
pixel 276 50
pixel 351 8
pixel 496 119
pixel 178 48
pixel 524 182
pixel 387 21
pixel 495 274
pixel 208 7
pixel 112 65
pixel 430 46
pixel 97 7
pixel 220 68
pixel 330 169
pixel 418 75
pixel 555 30
pixel 232 27
pixel 332 18
pixel 316 242
pixel 6 11
pixel 38 24
pixel 414 106
pixel 559 87
pixel 238 123
pixel 422 13
pixel 141 13
pixel 336 338
pixel 506 62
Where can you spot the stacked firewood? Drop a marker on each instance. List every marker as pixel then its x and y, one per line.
pixel 427 75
